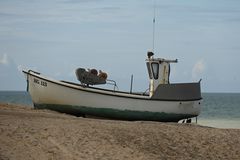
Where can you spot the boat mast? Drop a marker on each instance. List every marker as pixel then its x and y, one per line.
pixel 154 19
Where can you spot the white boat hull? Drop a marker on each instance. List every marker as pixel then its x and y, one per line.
pixel 79 100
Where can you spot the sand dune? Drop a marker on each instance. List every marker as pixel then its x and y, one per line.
pixel 26 133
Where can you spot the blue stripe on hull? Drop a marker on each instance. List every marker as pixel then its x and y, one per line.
pixel 115 113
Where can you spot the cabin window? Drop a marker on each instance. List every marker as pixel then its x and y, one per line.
pixel 149 70
pixel 155 69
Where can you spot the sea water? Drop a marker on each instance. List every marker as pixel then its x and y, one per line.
pixel 16 97
pixel 221 110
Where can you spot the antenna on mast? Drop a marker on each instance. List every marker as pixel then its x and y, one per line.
pixel 154 19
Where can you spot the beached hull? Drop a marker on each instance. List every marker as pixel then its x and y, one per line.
pixel 79 100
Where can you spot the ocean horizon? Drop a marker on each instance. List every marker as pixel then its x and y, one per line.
pixel 220 110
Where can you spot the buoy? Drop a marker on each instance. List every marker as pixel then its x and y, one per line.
pixel 103 75
pixel 94 71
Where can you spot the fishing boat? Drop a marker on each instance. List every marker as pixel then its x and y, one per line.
pixel 164 101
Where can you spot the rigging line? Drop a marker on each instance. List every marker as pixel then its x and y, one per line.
pixel 154 19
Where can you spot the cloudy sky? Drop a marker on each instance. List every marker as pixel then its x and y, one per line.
pixel 56 37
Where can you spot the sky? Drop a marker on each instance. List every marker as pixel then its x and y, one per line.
pixel 58 36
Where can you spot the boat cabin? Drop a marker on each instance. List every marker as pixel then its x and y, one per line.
pixel 158 71
pixel 161 89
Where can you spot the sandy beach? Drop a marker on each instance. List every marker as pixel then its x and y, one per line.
pixel 26 133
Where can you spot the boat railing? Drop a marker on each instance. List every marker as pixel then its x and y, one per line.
pixel 112 82
pixel 29 71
